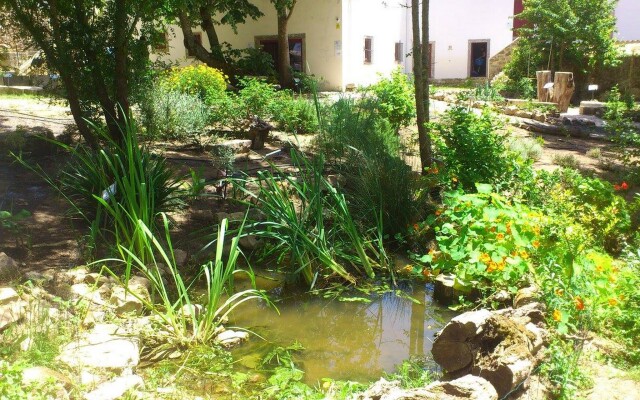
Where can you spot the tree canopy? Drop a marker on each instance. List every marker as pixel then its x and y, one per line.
pixel 565 35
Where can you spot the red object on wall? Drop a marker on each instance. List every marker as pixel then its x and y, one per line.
pixel 517 23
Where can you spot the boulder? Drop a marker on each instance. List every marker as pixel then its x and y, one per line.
pixel 82 291
pixel 8 295
pixel 467 387
pixel 9 269
pixel 102 348
pixel 11 313
pixel 115 388
pixel 249 242
pixel 54 382
pixel 488 345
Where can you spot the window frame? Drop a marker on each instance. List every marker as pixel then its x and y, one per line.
pixel 399 52
pixel 368 50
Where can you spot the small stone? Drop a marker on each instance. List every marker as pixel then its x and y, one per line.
pixel 468 387
pixel 140 284
pixel 116 388
pixel 8 268
pixel 102 349
pixel 180 256
pixel 76 275
pixel 96 279
pixel 8 295
pixel 127 303
pixel 191 309
pixel 83 291
pixel 26 344
pixel 249 243
pixel 44 375
pixel 231 338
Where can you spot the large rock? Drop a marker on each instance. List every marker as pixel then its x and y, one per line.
pixel 44 375
pixel 116 388
pixel 8 268
pixel 468 387
pixel 11 313
pixel 102 348
pixel 8 295
pixel 231 338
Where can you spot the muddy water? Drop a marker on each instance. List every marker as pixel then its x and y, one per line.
pixel 344 340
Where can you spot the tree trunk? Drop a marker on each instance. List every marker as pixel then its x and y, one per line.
pixel 563 89
pixel 198 50
pixel 284 62
pixel 206 22
pixel 426 153
pixel 418 72
pixel 121 69
pixel 543 77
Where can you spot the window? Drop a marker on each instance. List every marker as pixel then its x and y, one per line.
pixel 368 50
pixel 198 38
pixel 399 52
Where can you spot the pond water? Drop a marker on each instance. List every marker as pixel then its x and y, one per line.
pixel 343 340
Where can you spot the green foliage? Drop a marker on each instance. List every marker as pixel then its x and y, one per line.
pixel 310 226
pixel 366 152
pixel 182 320
pixel 487 92
pixel 625 134
pixel 527 148
pixel 200 80
pixel 12 223
pixel 593 205
pixel 294 114
pixel 395 99
pixel 484 239
pixel 474 152
pixel 521 88
pixel 413 373
pixel 251 61
pixel 173 115
pixel 563 370
pixel 113 187
pixel 564 35
pixel 257 96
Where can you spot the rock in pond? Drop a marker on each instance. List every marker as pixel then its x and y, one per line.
pixel 468 387
pixel 231 338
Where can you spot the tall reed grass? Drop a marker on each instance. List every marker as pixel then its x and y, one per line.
pixel 309 225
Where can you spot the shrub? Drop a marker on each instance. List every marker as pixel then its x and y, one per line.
pixel 395 99
pixel 526 148
pixel 296 115
pixel 251 61
pixel 484 239
pixel 173 115
pixel 366 150
pixel 566 161
pixel 474 152
pixel 257 97
pixel 199 80
pixel 487 92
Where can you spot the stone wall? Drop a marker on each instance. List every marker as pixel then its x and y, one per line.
pixel 500 60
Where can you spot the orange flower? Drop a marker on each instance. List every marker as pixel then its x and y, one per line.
pixel 613 302
pixel 557 315
pixel 501 265
pixel 492 229
pixel 500 236
pixel 416 227
pixel 509 228
pixel 536 244
pixel 426 272
pixel 438 212
pixel 492 267
pixel 579 303
pixel 485 258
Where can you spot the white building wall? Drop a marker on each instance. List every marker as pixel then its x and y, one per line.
pixel 628 14
pixel 386 23
pixel 454 23
pixel 319 21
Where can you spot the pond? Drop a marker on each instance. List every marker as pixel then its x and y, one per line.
pixel 343 340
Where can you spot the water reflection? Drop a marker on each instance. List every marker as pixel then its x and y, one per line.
pixel 346 340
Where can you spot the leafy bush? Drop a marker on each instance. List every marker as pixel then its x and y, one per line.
pixel 366 151
pixel 487 92
pixel 485 240
pixel 395 99
pixel 526 148
pixel 199 80
pixel 251 61
pixel 625 133
pixel 257 97
pixel 173 115
pixel 522 88
pixel 474 152
pixel 296 115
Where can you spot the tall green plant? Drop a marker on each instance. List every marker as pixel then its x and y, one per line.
pixel 310 225
pixel 365 149
pixel 177 310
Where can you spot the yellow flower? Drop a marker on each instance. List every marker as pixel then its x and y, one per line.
pixel 535 244
pixel 613 302
pixel 557 315
pixel 485 258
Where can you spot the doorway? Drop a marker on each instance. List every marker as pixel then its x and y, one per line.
pixel 478 58
pixel 296 51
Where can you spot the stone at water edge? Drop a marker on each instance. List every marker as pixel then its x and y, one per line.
pixel 181 257
pixel 116 388
pixel 127 303
pixel 102 348
pixel 231 338
pixel 468 387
